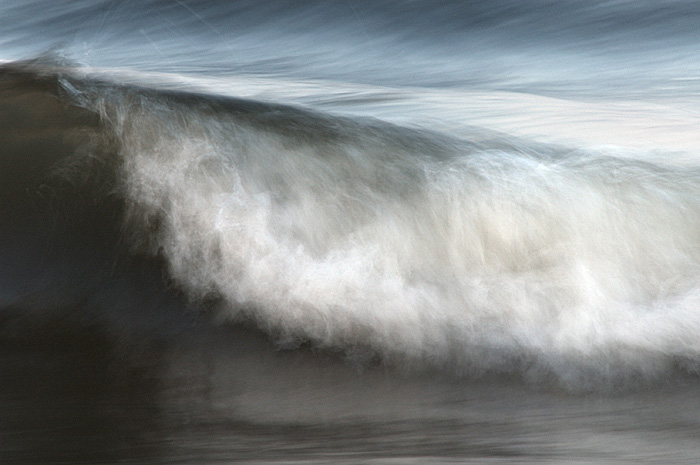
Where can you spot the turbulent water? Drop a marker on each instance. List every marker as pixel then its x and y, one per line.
pixel 349 232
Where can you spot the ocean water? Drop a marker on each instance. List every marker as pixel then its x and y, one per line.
pixel 398 232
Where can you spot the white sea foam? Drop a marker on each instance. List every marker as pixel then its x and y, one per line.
pixel 377 240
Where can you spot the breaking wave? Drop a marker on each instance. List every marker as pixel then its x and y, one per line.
pixel 377 241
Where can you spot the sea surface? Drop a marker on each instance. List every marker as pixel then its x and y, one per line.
pixel 349 232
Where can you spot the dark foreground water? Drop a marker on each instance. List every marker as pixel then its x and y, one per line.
pixel 198 402
pixel 349 232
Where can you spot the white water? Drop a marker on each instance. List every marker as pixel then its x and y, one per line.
pixel 485 254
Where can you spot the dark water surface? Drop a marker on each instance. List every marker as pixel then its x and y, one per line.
pixel 349 232
pixel 77 404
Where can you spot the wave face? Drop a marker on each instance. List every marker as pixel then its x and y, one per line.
pixel 378 241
